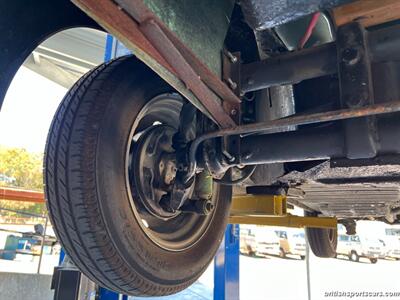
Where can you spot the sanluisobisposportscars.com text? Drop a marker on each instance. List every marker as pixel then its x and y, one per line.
pixel 361 294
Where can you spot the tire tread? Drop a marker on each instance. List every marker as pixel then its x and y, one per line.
pixel 78 222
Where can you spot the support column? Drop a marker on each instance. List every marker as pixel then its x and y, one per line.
pixel 226 266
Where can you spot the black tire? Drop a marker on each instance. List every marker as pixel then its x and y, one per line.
pixel 373 260
pixel 322 241
pixel 282 253
pixel 250 251
pixel 88 196
pixel 354 256
pixel 302 257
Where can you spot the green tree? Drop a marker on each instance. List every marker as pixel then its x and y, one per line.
pixel 22 165
pixel 26 168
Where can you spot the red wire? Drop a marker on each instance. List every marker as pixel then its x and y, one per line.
pixel 309 30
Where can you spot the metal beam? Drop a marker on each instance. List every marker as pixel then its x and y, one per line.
pixel 51 71
pixel 286 221
pixel 367 12
pixel 301 145
pixel 157 46
pixel 306 119
pixel 289 68
pixel 271 210
pixel 68 55
pixel 186 73
pixel 295 66
pixel 258 205
pixel 21 195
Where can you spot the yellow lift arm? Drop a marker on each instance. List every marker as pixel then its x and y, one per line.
pixel 272 211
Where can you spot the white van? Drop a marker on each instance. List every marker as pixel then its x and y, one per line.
pixel 248 243
pixel 392 242
pixel 356 246
pixel 292 242
pixel 266 241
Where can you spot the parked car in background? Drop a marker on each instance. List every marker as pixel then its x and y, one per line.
pixel 247 240
pixel 392 242
pixel 356 246
pixel 292 243
pixel 266 241
pixel 6 180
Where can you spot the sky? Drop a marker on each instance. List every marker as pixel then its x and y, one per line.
pixel 28 109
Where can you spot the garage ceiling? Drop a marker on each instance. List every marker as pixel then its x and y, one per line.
pixel 67 55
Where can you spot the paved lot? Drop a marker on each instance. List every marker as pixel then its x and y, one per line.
pixel 285 279
pixel 280 279
pixel 29 264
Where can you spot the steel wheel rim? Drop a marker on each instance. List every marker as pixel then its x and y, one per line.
pixel 185 230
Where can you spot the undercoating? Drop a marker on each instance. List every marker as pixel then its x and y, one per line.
pixel 347 192
pixel 262 14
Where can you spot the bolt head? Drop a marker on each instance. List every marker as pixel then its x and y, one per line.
pixel 232 84
pixel 350 56
pixel 247 155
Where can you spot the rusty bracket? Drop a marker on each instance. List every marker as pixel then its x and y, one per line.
pixel 157 46
pixel 231 76
pixel 356 89
pixel 231 63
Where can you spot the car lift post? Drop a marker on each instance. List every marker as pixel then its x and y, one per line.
pixel 226 265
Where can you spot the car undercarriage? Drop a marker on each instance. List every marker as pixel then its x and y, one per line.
pixel 296 100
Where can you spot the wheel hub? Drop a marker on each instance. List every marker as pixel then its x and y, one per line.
pixel 154 165
pixel 151 163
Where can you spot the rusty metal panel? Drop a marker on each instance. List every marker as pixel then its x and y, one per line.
pixel 367 12
pixel 184 71
pixel 181 23
pixel 152 42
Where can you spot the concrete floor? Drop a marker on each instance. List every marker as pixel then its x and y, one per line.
pixel 28 264
pixel 17 286
pixel 285 279
pixel 260 278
